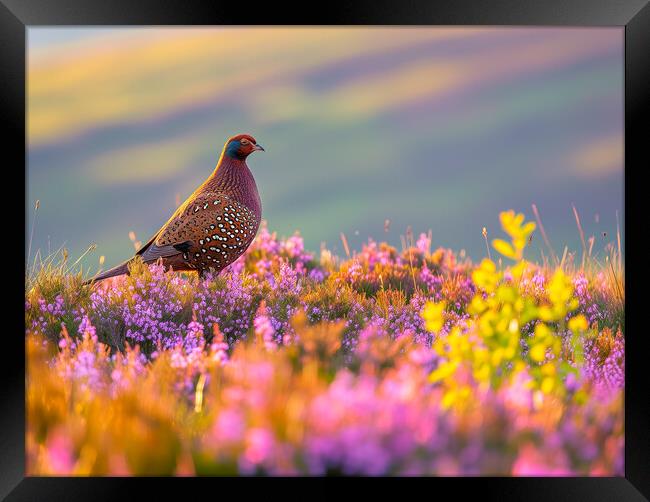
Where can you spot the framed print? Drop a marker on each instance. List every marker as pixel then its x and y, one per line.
pixel 390 242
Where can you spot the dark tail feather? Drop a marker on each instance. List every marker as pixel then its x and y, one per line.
pixel 119 270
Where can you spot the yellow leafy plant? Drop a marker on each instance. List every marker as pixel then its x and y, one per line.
pixel 490 346
pixel 519 232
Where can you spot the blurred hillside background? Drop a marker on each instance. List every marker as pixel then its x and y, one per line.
pixel 437 128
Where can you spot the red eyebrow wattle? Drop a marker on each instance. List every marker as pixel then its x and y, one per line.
pixel 239 137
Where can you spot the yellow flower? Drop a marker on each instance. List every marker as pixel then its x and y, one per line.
pixel 457 396
pixel 548 369
pixel 497 357
pixel 504 248
pixel 485 323
pixel 560 288
pixel 547 385
pixel 545 313
pixel 513 225
pixel 556 346
pixel 542 331
pixel 538 352
pixel 477 305
pixel 448 399
pixel 486 276
pixel 443 371
pixel 433 316
pixel 482 373
pixel 518 270
pixel 507 295
pixel 578 323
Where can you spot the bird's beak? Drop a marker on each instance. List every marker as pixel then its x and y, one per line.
pixel 258 148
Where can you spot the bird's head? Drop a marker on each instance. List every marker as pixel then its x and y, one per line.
pixel 241 146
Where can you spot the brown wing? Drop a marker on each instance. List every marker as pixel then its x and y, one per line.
pixel 211 230
pixel 151 251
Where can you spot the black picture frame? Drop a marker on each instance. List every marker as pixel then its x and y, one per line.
pixel 17 15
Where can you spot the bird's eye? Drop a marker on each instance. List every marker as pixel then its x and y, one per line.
pixel 244 141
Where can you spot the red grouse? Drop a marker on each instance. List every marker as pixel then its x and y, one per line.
pixel 215 225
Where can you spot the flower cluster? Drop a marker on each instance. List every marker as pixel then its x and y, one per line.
pixel 411 362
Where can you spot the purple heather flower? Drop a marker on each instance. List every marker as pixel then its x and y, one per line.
pixel 424 244
pixel 263 327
